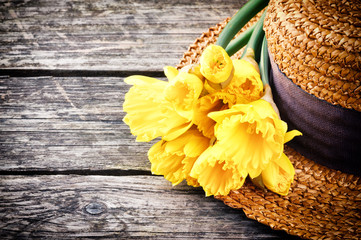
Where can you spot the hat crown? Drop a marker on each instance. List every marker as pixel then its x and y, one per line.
pixel 317 44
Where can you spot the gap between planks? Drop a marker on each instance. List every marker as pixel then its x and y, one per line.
pixel 75 73
pixel 82 172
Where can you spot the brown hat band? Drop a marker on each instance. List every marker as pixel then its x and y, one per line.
pixel 331 134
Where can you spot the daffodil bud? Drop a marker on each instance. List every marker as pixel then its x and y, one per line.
pixel 279 175
pixel 216 65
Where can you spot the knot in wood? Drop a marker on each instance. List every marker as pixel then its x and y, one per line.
pixel 95 208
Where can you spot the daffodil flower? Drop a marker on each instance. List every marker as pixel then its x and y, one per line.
pixel 246 85
pixel 217 173
pixel 216 65
pixel 157 108
pixel 174 159
pixel 182 92
pixel 252 133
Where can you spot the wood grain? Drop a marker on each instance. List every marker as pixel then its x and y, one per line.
pixel 70 123
pixel 104 35
pixel 68 207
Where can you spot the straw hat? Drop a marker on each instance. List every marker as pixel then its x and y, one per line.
pixel 316 67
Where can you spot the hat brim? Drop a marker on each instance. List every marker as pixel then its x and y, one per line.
pixel 322 203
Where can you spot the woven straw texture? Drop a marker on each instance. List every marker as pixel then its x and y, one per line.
pixel 317 44
pixel 322 203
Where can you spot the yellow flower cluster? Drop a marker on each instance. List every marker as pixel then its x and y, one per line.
pixel 215 126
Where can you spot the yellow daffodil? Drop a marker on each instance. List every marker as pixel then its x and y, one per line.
pixel 149 114
pixel 174 159
pixel 246 85
pixel 144 108
pixel 182 92
pixel 217 175
pixel 279 175
pixel 205 105
pixel 251 132
pixel 161 109
pixel 216 65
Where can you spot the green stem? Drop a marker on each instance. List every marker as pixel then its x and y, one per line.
pixel 248 11
pixel 256 37
pixel 238 43
pixel 264 63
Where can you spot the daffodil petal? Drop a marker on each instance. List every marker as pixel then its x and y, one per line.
pixel 177 131
pixel 149 113
pixel 291 134
pixel 143 81
pixel 170 72
pixel 144 109
pixel 205 105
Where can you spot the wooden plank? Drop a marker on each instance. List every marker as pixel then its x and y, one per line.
pixel 104 35
pixel 66 123
pixel 124 207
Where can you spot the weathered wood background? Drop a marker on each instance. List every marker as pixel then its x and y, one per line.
pixel 69 166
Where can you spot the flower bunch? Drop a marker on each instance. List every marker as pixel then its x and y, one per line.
pixel 216 119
